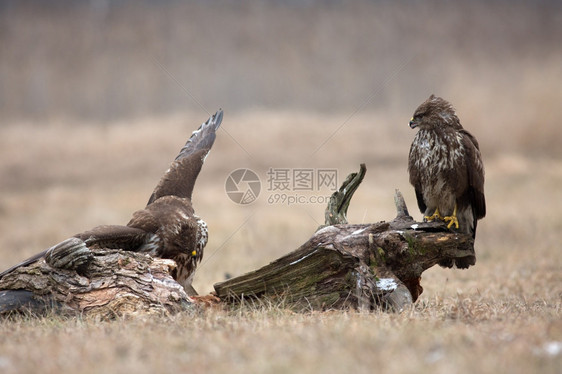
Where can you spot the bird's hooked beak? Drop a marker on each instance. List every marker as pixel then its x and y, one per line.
pixel 413 124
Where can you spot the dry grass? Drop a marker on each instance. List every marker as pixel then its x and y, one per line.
pixel 457 335
pixel 66 165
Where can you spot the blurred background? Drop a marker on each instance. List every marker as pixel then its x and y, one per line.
pixel 96 98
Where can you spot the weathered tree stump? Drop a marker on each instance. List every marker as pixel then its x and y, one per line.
pixel 350 265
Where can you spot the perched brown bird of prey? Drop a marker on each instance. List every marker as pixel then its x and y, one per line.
pixel 167 227
pixel 446 170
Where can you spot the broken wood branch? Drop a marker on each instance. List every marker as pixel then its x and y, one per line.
pixel 336 211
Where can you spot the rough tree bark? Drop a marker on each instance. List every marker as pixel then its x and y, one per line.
pixel 342 265
pixel 104 283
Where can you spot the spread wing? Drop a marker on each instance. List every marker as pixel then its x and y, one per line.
pixel 114 237
pixel 180 177
pixel 475 170
pixel 106 236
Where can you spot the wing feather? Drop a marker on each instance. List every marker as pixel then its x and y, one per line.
pixel 180 177
pixel 106 236
pixel 415 179
pixel 475 170
pixel 26 262
pixel 114 237
pixel 419 198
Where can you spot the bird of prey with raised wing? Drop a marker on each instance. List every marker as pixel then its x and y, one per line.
pixel 168 226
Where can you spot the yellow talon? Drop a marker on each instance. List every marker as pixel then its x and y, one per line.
pixel 452 219
pixel 433 217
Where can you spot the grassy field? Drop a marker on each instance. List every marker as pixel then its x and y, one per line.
pixel 503 315
pixel 97 100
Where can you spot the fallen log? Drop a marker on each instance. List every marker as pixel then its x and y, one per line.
pixel 103 283
pixel 358 266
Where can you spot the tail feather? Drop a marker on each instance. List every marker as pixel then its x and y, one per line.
pixel 467 222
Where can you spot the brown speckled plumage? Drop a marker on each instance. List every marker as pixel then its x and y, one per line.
pixel 446 168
